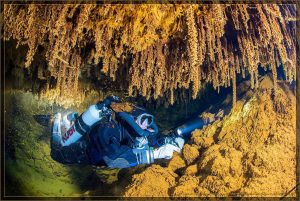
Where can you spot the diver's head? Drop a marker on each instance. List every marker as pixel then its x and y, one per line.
pixel 145 121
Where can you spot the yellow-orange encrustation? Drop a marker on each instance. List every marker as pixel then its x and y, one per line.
pixel 162 48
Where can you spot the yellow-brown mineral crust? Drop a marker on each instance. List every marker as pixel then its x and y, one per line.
pixel 168 46
pixel 251 152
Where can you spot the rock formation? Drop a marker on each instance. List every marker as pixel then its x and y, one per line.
pixel 158 49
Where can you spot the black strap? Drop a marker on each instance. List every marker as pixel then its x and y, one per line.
pixel 78 128
pixel 83 125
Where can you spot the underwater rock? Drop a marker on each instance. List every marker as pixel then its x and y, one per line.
pixel 187 187
pixel 153 182
pixel 255 154
pixel 190 153
pixel 176 162
pixel 191 170
pixel 202 142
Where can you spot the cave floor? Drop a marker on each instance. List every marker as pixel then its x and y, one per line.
pixel 29 169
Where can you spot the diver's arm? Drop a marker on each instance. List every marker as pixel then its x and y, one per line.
pixel 128 157
pixel 166 150
pixel 165 145
pixel 72 154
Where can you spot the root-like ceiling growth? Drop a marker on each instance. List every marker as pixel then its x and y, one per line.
pixel 165 46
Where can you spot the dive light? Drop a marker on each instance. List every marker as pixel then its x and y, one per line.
pixel 186 129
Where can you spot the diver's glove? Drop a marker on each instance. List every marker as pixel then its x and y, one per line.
pixel 166 150
pixel 107 102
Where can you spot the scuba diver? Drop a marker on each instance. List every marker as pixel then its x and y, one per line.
pixel 104 136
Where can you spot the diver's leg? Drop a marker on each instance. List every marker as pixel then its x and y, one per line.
pixel 75 153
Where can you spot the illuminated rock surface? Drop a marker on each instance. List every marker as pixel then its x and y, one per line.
pixel 250 152
pixel 153 50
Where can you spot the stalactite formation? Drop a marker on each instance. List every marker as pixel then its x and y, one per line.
pixel 166 47
pixel 193 50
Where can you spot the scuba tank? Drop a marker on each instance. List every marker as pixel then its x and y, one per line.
pixel 83 124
